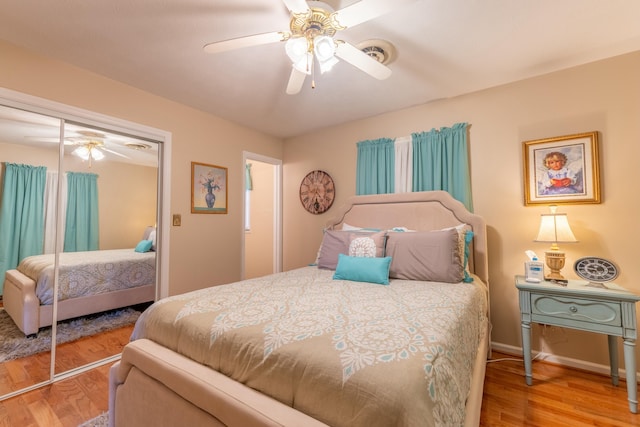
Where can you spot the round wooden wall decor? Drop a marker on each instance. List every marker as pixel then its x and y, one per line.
pixel 317 192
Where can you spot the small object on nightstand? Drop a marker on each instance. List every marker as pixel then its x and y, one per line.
pixel 597 271
pixel 554 228
pixel 533 269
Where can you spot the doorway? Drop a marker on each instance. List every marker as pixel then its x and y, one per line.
pixel 262 209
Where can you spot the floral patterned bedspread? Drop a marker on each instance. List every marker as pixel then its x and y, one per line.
pixel 89 273
pixel 346 353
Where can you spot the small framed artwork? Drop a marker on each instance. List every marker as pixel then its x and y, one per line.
pixel 562 170
pixel 208 188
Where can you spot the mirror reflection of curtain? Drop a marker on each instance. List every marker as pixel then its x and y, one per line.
pixel 81 228
pixel 21 214
pixel 50 208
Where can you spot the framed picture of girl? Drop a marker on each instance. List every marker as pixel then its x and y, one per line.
pixel 562 170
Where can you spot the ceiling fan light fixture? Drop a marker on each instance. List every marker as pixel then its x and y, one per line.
pixel 327 64
pixel 296 48
pixel 89 152
pixel 325 48
pixel 83 152
pixel 304 63
pixel 96 154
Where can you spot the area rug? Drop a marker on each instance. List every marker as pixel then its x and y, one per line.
pixel 101 420
pixel 14 344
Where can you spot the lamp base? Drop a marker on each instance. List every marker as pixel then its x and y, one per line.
pixel 555 262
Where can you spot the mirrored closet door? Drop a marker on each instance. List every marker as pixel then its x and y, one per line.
pixel 83 264
pixel 25 159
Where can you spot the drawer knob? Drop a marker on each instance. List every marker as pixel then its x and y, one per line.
pixel 573 309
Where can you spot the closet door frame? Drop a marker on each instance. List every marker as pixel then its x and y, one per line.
pixel 65 112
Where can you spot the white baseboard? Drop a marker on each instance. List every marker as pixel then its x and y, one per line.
pixel 559 360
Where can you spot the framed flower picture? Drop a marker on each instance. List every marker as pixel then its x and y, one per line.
pixel 562 170
pixel 208 189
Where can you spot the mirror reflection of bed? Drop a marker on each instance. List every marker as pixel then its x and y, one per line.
pixel 103 282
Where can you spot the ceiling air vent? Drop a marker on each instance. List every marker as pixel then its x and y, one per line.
pixel 380 50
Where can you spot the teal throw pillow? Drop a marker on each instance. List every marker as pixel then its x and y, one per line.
pixel 144 246
pixel 363 269
pixel 468 238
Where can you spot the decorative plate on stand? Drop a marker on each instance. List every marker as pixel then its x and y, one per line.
pixel 595 270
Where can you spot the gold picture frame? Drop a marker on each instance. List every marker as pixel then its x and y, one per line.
pixel 208 189
pixel 562 170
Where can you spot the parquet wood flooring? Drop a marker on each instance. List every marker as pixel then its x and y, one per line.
pixel 65 403
pixel 559 396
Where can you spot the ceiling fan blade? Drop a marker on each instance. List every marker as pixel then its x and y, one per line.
pixel 365 10
pixel 296 6
pixel 113 152
pixel 296 80
pixel 51 139
pixel 240 42
pixel 361 60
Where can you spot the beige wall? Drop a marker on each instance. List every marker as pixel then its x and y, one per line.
pixel 123 215
pixel 602 96
pixel 205 249
pixel 259 243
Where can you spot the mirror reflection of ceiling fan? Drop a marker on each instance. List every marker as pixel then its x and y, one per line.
pixel 91 145
pixel 311 34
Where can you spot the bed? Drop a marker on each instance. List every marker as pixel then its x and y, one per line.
pixel 315 346
pixel 88 282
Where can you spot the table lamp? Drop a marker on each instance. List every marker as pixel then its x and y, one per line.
pixel 554 228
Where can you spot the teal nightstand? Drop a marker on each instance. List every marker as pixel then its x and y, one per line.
pixel 578 305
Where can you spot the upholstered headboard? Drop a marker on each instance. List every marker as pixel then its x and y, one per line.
pixel 423 211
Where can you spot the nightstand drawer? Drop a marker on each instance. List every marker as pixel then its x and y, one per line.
pixel 604 313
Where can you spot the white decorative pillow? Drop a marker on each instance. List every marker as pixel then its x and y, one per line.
pixel 363 246
pixel 152 237
pixel 150 234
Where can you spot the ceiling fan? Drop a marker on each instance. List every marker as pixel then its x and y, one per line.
pixel 311 35
pixel 90 145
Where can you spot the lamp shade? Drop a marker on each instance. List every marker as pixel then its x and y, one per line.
pixel 555 228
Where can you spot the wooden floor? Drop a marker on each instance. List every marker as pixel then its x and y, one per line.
pixel 559 397
pixel 69 402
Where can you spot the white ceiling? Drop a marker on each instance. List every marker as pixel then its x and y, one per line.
pixel 445 48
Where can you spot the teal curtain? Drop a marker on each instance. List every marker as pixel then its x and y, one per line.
pixel 247 177
pixel 21 215
pixel 441 162
pixel 81 225
pixel 375 167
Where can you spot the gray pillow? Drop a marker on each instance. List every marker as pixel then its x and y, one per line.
pixel 425 255
pixel 335 242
